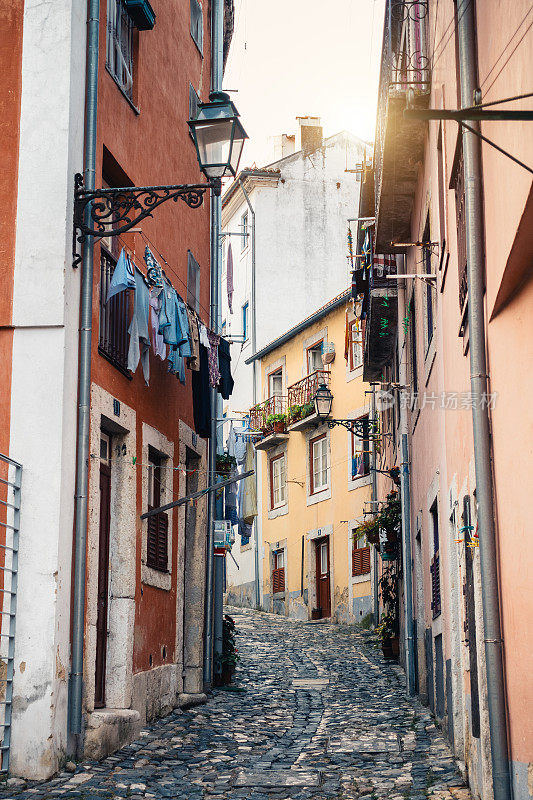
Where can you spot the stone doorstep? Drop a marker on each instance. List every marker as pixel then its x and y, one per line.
pixel 190 700
pixel 109 729
pixel 274 778
pixel 310 683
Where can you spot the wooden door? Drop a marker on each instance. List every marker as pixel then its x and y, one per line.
pixel 323 592
pixel 103 586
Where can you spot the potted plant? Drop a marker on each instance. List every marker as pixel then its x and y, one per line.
pixel 225 463
pixel 294 413
pixel 276 423
pixel 226 663
pixel 307 409
pixel 390 516
pixel 370 529
pixel 388 629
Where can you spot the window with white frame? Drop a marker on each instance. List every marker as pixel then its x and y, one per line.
pixel 275 383
pixel 119 45
pixel 314 357
pixel 360 466
pixel 197 25
pixel 244 231
pixel 356 345
pixel 278 481
pixel 245 316
pixel 318 463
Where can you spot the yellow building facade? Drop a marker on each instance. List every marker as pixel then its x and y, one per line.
pixel 315 481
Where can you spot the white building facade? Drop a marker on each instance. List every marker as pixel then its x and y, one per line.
pixel 300 209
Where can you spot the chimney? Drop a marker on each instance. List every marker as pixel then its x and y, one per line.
pixel 283 145
pixel 309 134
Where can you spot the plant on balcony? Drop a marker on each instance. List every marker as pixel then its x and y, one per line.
pixel 307 409
pixel 294 413
pixel 370 529
pixel 226 663
pixel 390 516
pixel 277 423
pixel 225 463
pixel 388 629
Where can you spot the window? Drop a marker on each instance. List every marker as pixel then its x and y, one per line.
pixel 245 321
pixel 197 25
pixel 157 538
pixel 426 257
pixel 360 556
pixel 460 220
pixel 412 346
pixel 278 571
pixel 356 345
pixel 244 231
pixel 275 383
pixel 314 357
pixel 223 329
pixel 277 482
pixel 113 333
pixel 318 466
pixel 435 563
pixel 119 45
pixel 193 282
pixel 361 451
pixel 193 103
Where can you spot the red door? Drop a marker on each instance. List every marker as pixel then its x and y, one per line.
pixel 103 585
pixel 323 593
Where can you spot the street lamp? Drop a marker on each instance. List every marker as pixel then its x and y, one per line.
pixel 218 136
pixel 323 403
pixel 219 139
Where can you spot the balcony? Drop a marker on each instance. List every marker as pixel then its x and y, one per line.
pixel 399 147
pixel 265 417
pixel 301 400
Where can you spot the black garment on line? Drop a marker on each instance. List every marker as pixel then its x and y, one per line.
pixel 225 386
pixel 201 397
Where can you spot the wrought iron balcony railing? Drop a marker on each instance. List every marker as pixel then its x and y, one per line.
pixel 303 392
pixel 277 404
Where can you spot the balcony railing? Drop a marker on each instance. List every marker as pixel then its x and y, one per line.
pixel 303 392
pixel 260 413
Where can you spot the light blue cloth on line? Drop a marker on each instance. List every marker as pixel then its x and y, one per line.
pixel 185 347
pixel 139 347
pixel 123 276
pixel 176 364
pixel 169 319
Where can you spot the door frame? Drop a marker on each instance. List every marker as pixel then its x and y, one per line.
pixel 102 625
pixel 319 543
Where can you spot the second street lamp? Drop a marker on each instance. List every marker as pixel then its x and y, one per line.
pixel 358 427
pixel 219 140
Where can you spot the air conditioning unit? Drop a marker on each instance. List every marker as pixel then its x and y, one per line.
pixel 328 354
pixel 224 536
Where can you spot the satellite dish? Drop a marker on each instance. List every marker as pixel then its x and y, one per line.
pixel 328 355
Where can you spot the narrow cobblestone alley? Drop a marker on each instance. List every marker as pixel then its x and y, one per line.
pixel 323 716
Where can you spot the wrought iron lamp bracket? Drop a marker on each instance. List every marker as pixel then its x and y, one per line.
pixel 358 427
pixel 111 212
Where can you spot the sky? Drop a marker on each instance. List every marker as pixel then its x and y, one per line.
pixel 292 58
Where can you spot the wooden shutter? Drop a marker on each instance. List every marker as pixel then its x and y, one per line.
pixel 435 586
pixel 278 580
pixel 157 541
pixel 360 561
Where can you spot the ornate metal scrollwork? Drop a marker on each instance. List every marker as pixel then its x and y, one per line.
pixel 115 211
pixel 362 428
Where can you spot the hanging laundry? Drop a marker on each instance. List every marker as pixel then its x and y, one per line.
pixel 212 355
pixel 176 363
pixel 170 319
pixel 154 272
pixel 204 338
pixel 237 444
pixel 139 347
pixel 123 276
pixel 245 532
pixel 158 343
pixel 201 397
pixel 248 510
pixel 230 502
pixel 185 347
pixel 226 383
pixel 347 335
pixel 229 278
pixel 193 362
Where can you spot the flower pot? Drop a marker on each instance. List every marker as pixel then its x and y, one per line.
pixel 227 675
pixel 316 613
pixel 395 644
pixel 278 427
pixel 386 646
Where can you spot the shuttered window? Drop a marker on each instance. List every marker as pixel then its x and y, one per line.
pixel 278 573
pixel 157 533
pixel 360 561
pixel 113 333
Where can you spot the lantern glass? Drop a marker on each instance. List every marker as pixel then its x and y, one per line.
pixel 323 402
pixel 218 136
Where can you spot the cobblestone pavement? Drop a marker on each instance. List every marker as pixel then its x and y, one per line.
pixel 323 716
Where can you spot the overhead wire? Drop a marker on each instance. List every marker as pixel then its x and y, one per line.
pixel 505 48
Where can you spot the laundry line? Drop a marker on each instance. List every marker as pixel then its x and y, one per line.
pixel 214 487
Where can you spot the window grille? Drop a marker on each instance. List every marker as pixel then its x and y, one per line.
pixel 119 45
pixel 197 24
pixel 113 337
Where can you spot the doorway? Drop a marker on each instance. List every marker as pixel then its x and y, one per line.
pixel 103 571
pixel 323 591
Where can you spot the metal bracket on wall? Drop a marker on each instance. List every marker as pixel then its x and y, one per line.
pixel 112 212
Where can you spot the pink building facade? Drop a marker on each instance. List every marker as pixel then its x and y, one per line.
pixel 419 357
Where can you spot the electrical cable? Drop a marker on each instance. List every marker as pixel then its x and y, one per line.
pixel 504 49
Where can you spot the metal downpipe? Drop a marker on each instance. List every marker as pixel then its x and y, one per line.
pixel 84 380
pixel 217 44
pixel 375 559
pixel 254 394
pixel 406 496
pixel 481 424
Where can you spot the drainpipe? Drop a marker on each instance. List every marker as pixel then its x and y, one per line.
pixel 217 44
pixel 84 381
pixel 406 497
pixel 375 560
pixel 254 393
pixel 466 28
